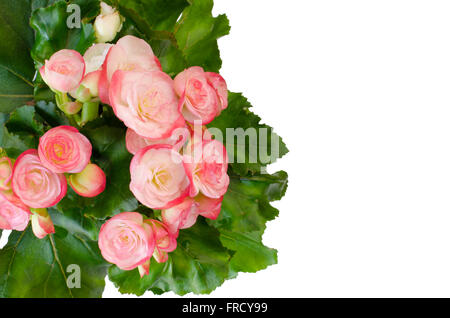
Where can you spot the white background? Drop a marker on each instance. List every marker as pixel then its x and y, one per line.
pixel 360 92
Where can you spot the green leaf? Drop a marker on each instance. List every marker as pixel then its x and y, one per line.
pixel 197 32
pixel 251 255
pixel 89 8
pixel 150 15
pixel 53 34
pixel 51 113
pixel 112 156
pixel 247 154
pixel 72 220
pixel 182 33
pixel 246 206
pixel 198 265
pixel 245 211
pixel 36 4
pixel 16 66
pixel 20 131
pixel 30 267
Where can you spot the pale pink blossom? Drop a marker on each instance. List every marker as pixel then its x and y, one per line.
pixel 64 149
pixel 134 142
pixel 146 102
pixel 202 95
pixel 34 184
pixel 181 216
pixel 219 84
pixel 207 167
pixel 95 56
pixel 126 241
pixel 13 216
pixel 129 54
pixel 208 207
pixel 165 241
pixel 185 214
pixel 90 182
pixel 64 71
pixel 158 177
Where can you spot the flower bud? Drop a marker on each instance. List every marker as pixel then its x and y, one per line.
pixel 41 223
pixel 72 108
pixel 107 24
pixel 88 88
pixel 90 182
pixel 64 71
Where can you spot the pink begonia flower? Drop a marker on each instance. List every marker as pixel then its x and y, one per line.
pixel 207 169
pixel 219 84
pixel 158 177
pixel 64 71
pixel 126 241
pixel 208 207
pixel 41 223
pixel 34 184
pixel 146 103
pixel 95 56
pixel 64 150
pixel 185 214
pixel 129 54
pixel 135 142
pixel 5 174
pixel 181 216
pixel 13 216
pixel 202 95
pixel 165 242
pixel 90 182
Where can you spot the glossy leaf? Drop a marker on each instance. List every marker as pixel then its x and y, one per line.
pixel 16 66
pixel 251 254
pixel 20 131
pixel 245 211
pixel 53 33
pixel 247 154
pixel 246 206
pixel 30 267
pixel 111 155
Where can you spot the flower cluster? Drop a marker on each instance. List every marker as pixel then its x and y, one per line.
pixel 174 169
pixel 37 179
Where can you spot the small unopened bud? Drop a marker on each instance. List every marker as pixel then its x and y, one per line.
pixel 107 24
pixel 41 223
pixel 90 182
pixel 72 108
pixel 88 89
